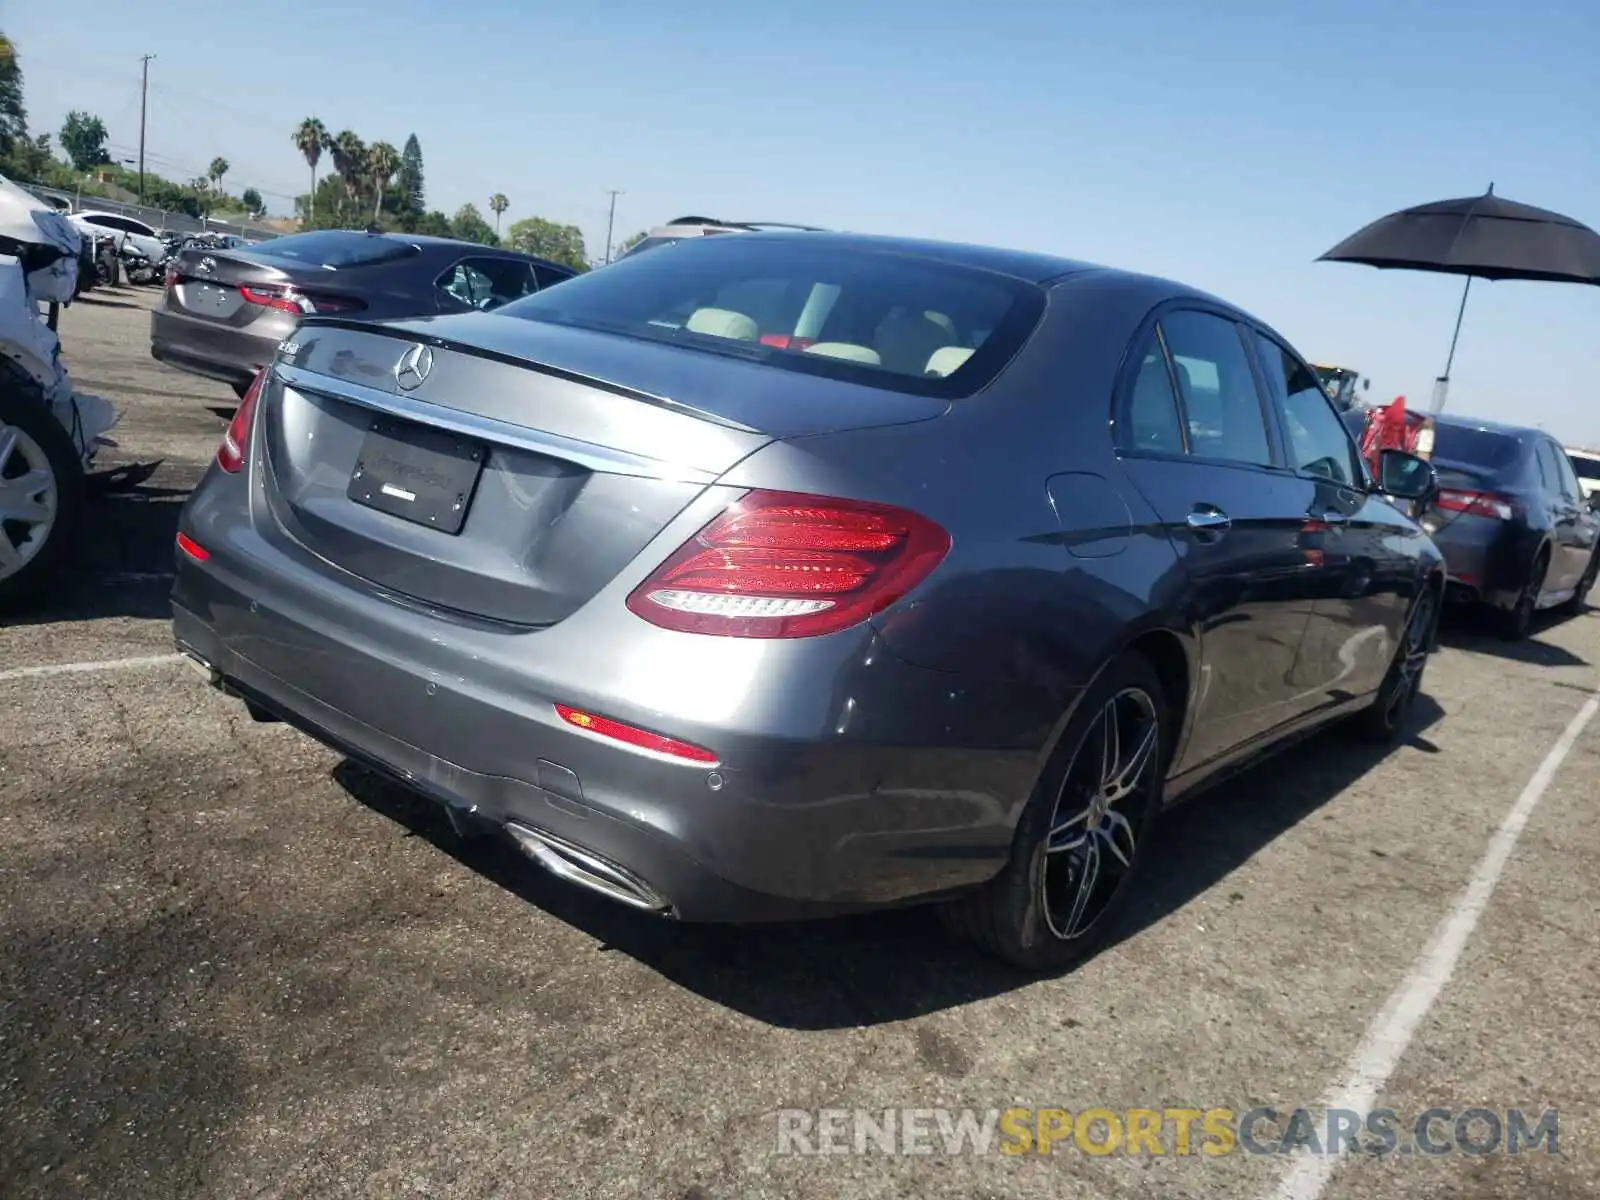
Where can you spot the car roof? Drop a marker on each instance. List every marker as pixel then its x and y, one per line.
pixel 1483 426
pixel 1020 264
pixel 424 240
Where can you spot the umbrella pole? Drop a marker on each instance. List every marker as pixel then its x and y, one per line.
pixel 1441 385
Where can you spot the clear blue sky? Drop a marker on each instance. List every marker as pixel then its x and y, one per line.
pixel 1224 144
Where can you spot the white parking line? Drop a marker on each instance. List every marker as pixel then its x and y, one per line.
pixel 84 668
pixel 1392 1029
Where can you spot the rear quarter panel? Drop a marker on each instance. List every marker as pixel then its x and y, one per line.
pixel 1056 561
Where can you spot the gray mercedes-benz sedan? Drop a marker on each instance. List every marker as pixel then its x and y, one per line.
pixel 793 574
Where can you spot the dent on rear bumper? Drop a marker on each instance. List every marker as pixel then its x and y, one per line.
pixel 913 789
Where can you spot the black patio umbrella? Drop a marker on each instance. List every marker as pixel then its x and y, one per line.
pixel 1487 237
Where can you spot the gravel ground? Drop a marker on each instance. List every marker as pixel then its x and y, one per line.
pixel 233 965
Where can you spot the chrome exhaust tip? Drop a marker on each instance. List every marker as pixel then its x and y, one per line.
pixel 587 869
pixel 202 667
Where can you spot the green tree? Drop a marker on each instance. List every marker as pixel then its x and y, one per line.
pixel 349 155
pixel 13 116
pixel 253 202
pixel 468 225
pixel 411 177
pixel 546 239
pixel 383 160
pixel 310 137
pixel 83 137
pixel 498 205
pixel 219 168
pixel 434 224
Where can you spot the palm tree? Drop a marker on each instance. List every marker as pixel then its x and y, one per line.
pixel 497 205
pixel 349 160
pixel 310 136
pixel 219 168
pixel 383 160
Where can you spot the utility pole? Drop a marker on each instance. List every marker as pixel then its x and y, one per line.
pixel 611 223
pixel 144 96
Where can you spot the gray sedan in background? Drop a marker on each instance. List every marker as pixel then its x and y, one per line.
pixel 797 573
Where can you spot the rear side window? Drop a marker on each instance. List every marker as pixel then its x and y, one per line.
pixel 1153 422
pixel 879 318
pixel 336 249
pixel 1217 388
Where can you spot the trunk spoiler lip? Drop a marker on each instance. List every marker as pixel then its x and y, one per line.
pixel 587 454
pixel 400 333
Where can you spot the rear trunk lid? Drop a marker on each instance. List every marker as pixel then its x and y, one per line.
pixel 511 470
pixel 236 287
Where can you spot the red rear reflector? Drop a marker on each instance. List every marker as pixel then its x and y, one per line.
pixel 236 442
pixel 785 564
pixel 1478 504
pixel 642 738
pixel 192 548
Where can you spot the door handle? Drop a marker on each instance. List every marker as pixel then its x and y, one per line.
pixel 1334 517
pixel 1209 520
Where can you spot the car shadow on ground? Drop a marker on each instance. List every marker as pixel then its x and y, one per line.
pixel 1473 630
pixel 95 301
pixel 122 566
pixel 890 966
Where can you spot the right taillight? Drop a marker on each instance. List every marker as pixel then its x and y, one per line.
pixel 787 564
pixel 1477 504
pixel 236 442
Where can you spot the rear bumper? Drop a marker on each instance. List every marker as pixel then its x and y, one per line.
pixel 205 348
pixel 1487 561
pixel 791 822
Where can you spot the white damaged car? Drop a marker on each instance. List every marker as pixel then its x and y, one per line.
pixel 48 432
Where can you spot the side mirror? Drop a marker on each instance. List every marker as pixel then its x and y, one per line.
pixel 1593 500
pixel 1405 476
pixel 1366 385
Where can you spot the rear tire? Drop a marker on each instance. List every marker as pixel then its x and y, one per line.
pixel 39 519
pixel 1080 843
pixel 1579 603
pixel 1514 623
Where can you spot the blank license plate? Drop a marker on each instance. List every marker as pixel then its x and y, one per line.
pixel 211 299
pixel 416 473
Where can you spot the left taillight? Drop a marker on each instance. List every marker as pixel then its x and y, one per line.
pixel 294 300
pixel 786 565
pixel 235 446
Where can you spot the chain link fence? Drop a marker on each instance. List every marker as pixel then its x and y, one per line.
pixel 156 218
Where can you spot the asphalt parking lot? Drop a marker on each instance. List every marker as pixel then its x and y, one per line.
pixel 231 964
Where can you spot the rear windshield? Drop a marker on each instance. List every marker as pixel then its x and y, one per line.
pixel 335 248
pixel 1481 448
pixel 868 316
pixel 649 243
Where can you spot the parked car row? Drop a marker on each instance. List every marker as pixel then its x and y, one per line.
pixel 224 311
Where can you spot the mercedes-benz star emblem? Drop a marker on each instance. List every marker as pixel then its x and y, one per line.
pixel 413 367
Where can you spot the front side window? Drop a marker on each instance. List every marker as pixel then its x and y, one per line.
pixel 1318 442
pixel 888 320
pixel 1217 388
